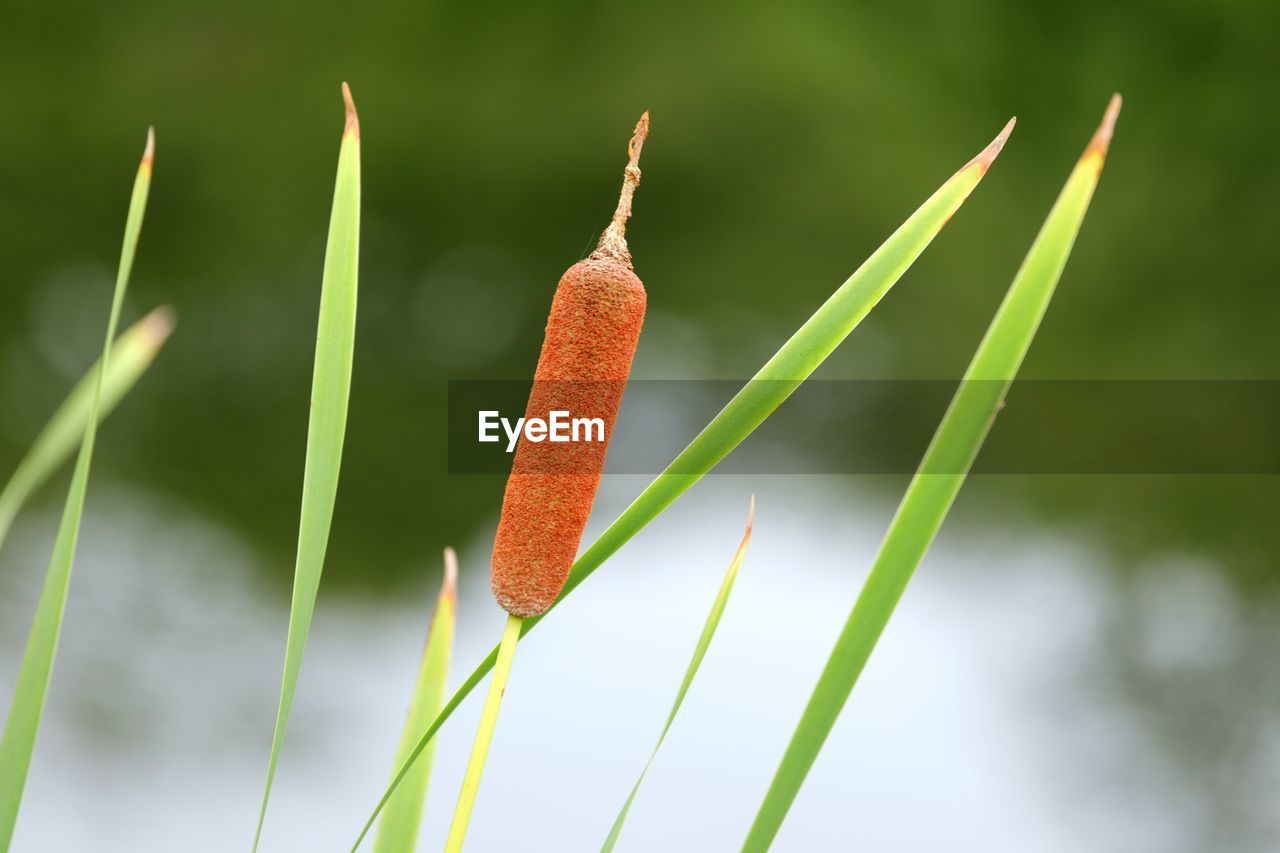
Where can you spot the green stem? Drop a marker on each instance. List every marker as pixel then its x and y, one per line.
pixel 484 736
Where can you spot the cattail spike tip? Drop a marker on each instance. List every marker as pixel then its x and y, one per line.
pixel 637 138
pixel 613 242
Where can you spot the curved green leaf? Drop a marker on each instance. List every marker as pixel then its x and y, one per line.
pixel 699 652
pixel 942 471
pixel 398 829
pixel 326 429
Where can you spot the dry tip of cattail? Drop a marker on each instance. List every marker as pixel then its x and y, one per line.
pixel 590 339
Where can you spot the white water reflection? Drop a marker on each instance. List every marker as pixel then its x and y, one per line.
pixel 985 720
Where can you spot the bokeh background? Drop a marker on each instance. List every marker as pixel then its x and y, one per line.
pixel 1082 661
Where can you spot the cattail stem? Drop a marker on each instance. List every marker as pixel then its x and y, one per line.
pixel 613 242
pixel 484 735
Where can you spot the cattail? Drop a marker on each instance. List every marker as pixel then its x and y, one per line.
pixel 590 339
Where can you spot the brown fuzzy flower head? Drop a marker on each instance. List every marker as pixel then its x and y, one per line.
pixel 591 337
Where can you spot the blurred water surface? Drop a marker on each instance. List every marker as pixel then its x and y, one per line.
pixel 1015 703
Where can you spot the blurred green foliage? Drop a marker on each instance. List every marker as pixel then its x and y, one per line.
pixel 788 140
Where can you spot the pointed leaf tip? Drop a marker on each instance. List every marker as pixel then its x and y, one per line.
pixel 988 155
pixel 353 120
pixel 751 516
pixel 149 153
pixel 1102 136
pixel 449 589
pixel 158 325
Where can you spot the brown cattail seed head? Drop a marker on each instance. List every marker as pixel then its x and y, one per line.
pixel 591 336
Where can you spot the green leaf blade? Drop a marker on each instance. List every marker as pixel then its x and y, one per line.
pixel 131 356
pixel 770 387
pixel 932 490
pixel 699 652
pixel 398 828
pixel 36 670
pixel 326 429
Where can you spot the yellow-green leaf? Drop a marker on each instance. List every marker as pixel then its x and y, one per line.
pixel 131 355
pixel 699 652
pixel 398 828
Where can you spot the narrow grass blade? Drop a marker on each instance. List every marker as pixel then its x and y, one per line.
pixel 27 705
pixel 699 652
pixel 782 374
pixel 942 471
pixel 398 829
pixel 484 735
pixel 131 355
pixel 326 429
